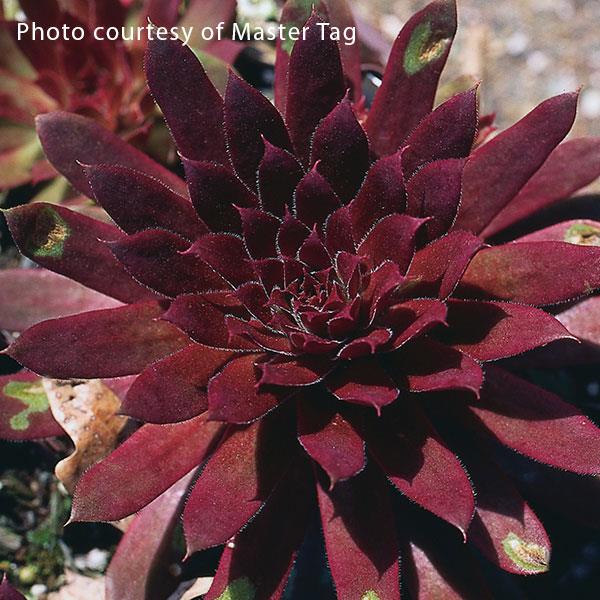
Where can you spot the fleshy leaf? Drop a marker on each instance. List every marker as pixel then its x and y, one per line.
pixel 381 194
pixel 342 150
pixel 233 394
pixel 236 481
pixel 569 168
pixel 140 565
pixel 136 202
pixel 113 489
pixel 315 85
pixel 102 343
pixel 192 106
pixel 494 330
pixel 174 389
pixel 435 192
pixel 538 273
pixel 524 417
pixel 504 528
pixel 358 525
pixel 250 116
pixel 156 258
pixel 216 191
pixel 411 76
pixel 448 132
pixel 438 267
pixel 43 295
pixel 416 461
pixel 330 440
pixel 69 243
pixel 70 141
pixel 498 170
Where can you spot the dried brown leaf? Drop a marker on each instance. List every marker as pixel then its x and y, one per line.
pixel 88 413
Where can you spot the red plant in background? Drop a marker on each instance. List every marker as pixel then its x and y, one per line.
pixel 315 317
pixel 100 79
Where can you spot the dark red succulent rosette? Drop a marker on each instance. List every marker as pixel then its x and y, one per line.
pixel 301 311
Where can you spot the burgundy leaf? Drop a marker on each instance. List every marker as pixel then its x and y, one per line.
pixel 140 565
pixel 448 132
pixel 437 564
pixel 279 172
pixel 315 84
pixel 273 536
pixel 371 343
pixel 227 255
pixel 215 193
pixel 260 232
pixel 156 259
pixel 338 232
pixel 570 167
pixel 249 117
pixel 24 410
pixel 330 441
pixel 201 319
pixel 342 150
pixel 524 416
pixel 7 591
pixel 494 330
pixel 381 194
pixel 425 365
pixel 234 396
pixel 438 267
pixel 504 528
pixel 69 243
pixel 192 106
pixel 499 169
pixel 583 320
pixel 358 525
pixel 411 76
pixel 392 239
pixel 43 295
pixel 174 389
pixel 363 382
pixel 315 199
pixel 435 191
pixel 236 481
pixel 70 141
pixel 416 461
pixel 101 343
pixel 136 202
pixel 414 318
pixel 538 273
pixel 583 232
pixel 113 489
pixel 305 370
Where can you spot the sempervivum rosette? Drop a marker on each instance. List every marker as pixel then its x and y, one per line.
pixel 313 317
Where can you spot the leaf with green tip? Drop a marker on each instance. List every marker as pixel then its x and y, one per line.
pixel 69 243
pixel 411 76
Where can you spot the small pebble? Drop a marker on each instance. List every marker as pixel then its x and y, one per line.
pixel 538 61
pixel 590 103
pixel 517 43
pixel 37 590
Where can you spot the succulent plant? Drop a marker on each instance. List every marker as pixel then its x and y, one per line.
pixel 100 79
pixel 320 318
pixel 7 592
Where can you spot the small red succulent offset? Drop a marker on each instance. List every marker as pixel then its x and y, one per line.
pixel 90 76
pixel 315 317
